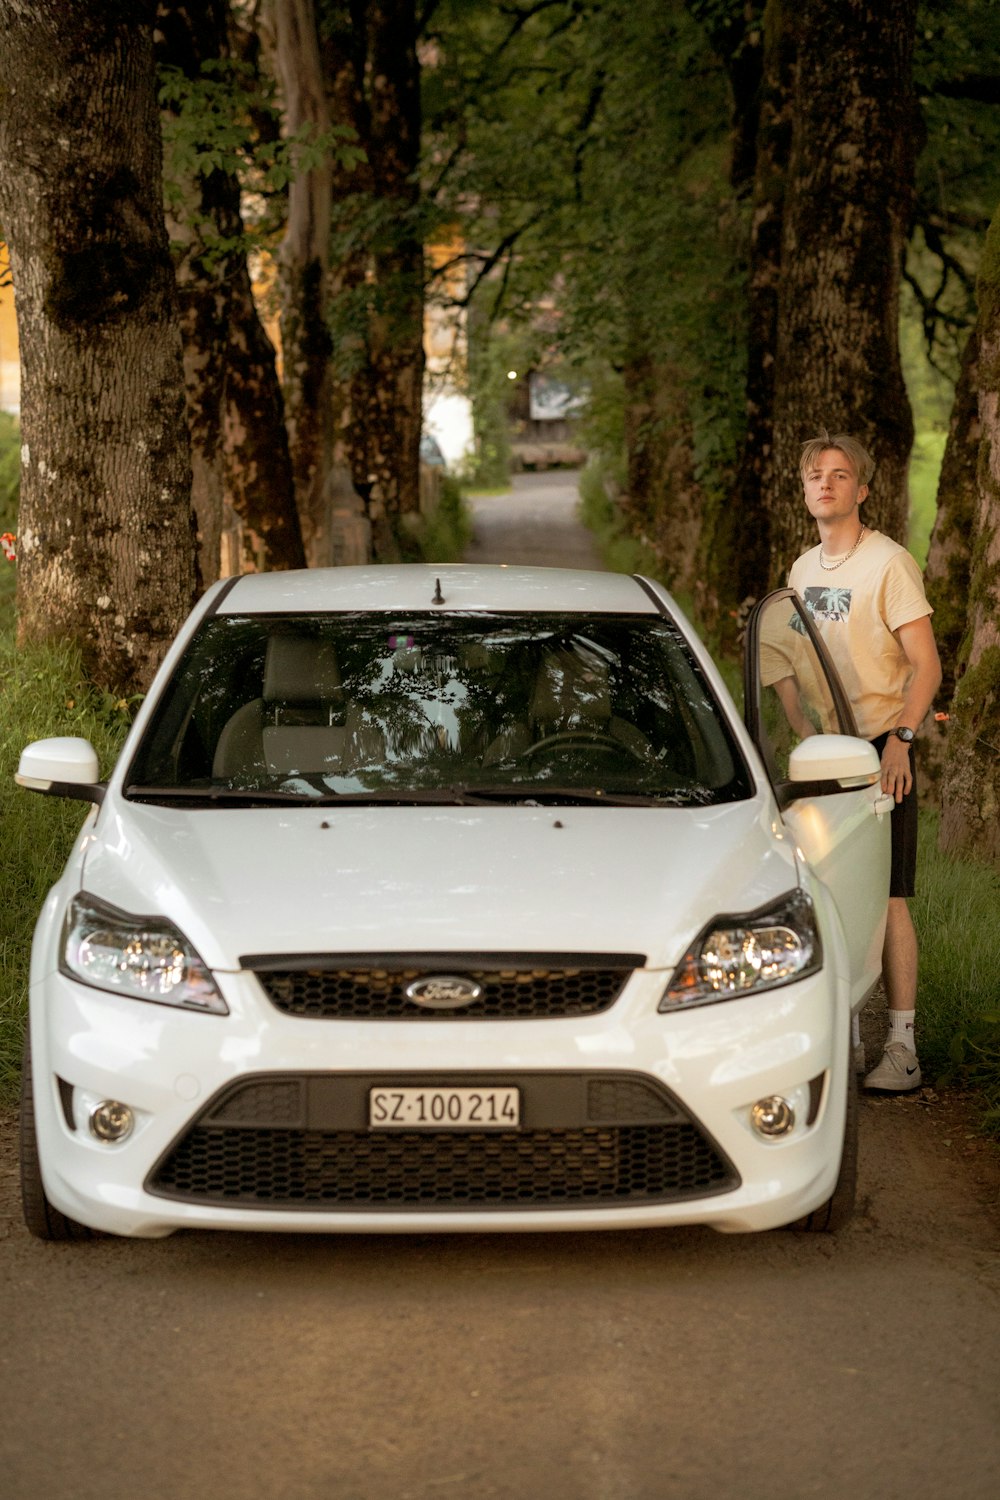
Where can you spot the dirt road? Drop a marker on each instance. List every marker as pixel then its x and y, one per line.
pixel 578 1367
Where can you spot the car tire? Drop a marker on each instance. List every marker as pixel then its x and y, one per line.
pixel 838 1209
pixel 43 1220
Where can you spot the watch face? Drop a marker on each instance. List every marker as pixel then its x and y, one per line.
pixel 906 735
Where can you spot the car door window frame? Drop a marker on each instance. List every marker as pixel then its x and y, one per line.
pixel 789 791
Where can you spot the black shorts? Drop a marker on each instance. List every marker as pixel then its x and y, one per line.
pixel 903 829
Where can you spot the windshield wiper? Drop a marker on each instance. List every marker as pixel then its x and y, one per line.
pixel 541 793
pixel 448 796
pixel 213 794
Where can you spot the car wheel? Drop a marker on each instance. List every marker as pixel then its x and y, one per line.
pixel 44 1221
pixel 839 1207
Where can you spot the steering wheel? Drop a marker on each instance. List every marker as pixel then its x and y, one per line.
pixel 594 737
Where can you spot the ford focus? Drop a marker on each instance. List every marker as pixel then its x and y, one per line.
pixel 457 899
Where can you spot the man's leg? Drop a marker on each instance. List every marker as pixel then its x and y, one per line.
pixel 898 1071
pixel 899 956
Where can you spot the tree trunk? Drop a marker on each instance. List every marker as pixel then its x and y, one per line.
pixel 258 466
pixel 373 82
pixel 846 216
pixel 185 35
pixel 305 342
pixel 239 445
pixel 744 548
pixel 106 551
pixel 971 814
pixel 949 560
pixel 662 501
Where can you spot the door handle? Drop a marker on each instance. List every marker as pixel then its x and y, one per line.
pixel 883 805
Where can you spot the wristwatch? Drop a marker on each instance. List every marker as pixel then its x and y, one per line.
pixel 906 735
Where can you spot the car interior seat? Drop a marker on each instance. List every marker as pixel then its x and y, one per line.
pixel 297 726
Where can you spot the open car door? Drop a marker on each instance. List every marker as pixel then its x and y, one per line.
pixel 794 702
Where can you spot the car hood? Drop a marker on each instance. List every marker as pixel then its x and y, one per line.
pixel 252 881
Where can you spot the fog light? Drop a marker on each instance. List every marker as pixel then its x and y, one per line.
pixel 111 1121
pixel 772 1117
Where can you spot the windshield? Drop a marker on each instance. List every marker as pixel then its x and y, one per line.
pixel 438 707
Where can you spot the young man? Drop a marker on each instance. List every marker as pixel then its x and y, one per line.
pixel 866 597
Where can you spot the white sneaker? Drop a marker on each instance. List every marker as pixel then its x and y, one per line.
pixel 897 1072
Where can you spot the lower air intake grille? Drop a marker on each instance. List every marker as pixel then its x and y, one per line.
pixel 225 1159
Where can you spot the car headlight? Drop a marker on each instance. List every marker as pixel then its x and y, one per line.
pixel 744 954
pixel 145 958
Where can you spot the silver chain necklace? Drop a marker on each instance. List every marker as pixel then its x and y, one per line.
pixel 829 567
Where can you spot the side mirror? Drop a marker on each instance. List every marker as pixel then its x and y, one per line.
pixel 834 757
pixel 64 767
pixel 827 763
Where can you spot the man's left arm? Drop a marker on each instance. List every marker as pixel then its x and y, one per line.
pixel 920 649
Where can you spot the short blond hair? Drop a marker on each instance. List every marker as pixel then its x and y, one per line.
pixel 861 460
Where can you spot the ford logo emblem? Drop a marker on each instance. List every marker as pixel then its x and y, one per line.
pixel 443 991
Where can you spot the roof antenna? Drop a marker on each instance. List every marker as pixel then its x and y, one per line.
pixel 438 596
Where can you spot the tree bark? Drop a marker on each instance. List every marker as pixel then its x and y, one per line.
pixel 949 559
pixel 260 484
pixel 970 821
pixel 186 34
pixel 304 259
pixel 846 215
pixel 106 552
pixel 239 444
pixel 373 82
pixel 745 532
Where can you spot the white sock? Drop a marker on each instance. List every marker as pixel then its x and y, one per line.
pixel 855 1031
pixel 901 1028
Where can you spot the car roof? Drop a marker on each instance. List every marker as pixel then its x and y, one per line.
pixel 417 586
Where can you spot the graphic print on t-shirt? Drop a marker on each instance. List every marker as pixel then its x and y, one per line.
pixel 833 605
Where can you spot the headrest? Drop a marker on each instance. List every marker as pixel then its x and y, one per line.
pixel 571 686
pixel 300 670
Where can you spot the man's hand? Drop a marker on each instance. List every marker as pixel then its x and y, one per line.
pixel 897 770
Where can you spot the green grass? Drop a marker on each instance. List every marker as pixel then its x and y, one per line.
pixel 957 915
pixel 42 692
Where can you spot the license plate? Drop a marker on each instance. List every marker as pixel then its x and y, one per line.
pixel 444 1109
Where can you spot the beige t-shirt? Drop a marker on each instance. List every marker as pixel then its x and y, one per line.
pixel 857 608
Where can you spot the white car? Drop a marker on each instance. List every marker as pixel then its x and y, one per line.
pixel 457 898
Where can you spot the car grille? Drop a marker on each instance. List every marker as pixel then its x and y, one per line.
pixel 538 987
pixel 261 1145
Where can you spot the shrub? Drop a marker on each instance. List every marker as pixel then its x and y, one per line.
pixel 42 692
pixel 443 535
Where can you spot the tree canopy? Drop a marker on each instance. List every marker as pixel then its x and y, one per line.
pixel 721 219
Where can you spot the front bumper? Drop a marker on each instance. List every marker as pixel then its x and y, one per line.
pixel 180 1072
